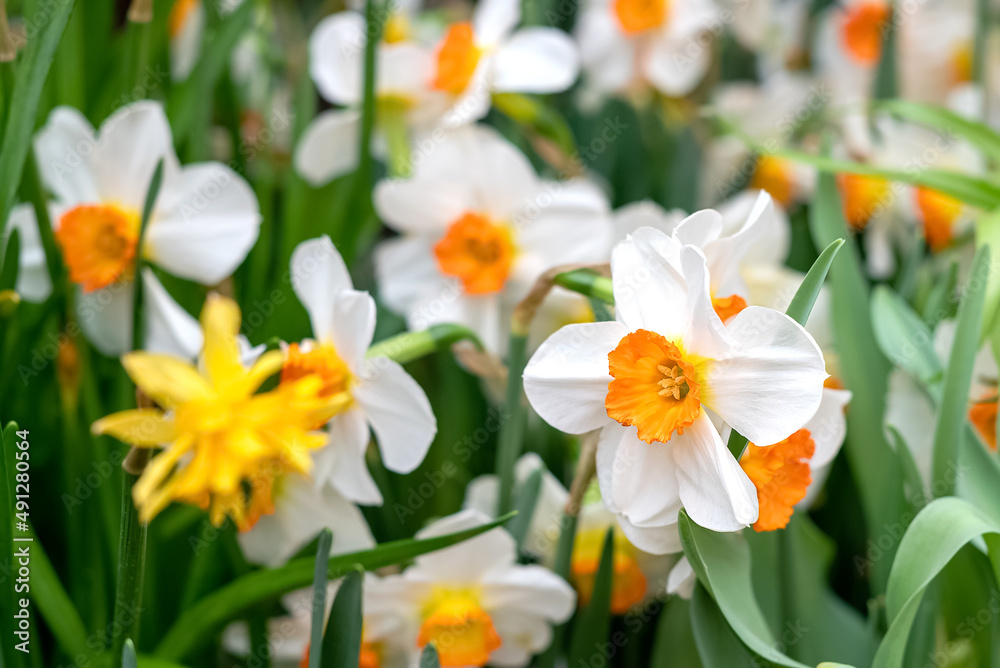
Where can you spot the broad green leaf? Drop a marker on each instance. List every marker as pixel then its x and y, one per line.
pixel 320 580
pixel 936 534
pixel 674 644
pixel 718 646
pixel 722 563
pixel 32 70
pixel 527 498
pixel 874 466
pixel 972 190
pixel 979 135
pixel 593 623
pixel 958 376
pixel 200 622
pixel 587 283
pixel 903 336
pixel 410 346
pixel 342 642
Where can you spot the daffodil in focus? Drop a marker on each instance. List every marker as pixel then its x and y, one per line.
pixel 205 220
pixel 223 445
pixel 652 380
pixel 472 600
pixel 477 229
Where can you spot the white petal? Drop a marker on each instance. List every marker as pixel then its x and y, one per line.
pixel 336 57
pixel 717 494
pixel 328 147
pixel 682 579
pixel 399 413
pixel 644 281
pixel 403 69
pixel 660 539
pixel 828 427
pixel 726 254
pixel 481 313
pixel 481 494
pixel 646 213
pixel 63 148
pixel 644 481
pixel 676 65
pixel 521 636
pixel 772 237
pixel 529 590
pixel 319 276
pixel 105 316
pixel 421 205
pixel 352 327
pixel 536 60
pixel 130 144
pixel 567 378
pixel 406 270
pixel 493 20
pixel 33 281
pixel 342 460
pixel 468 561
pixel 771 381
pixel 185 46
pixel 206 221
pixel 700 228
pixel 169 328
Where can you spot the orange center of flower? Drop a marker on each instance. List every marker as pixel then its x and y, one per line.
pixel 322 362
pixel 862 197
pixel 638 16
pixel 861 31
pixel 654 387
pixel 983 416
pixel 781 475
pixel 457 58
pixel 460 629
pixel 628 583
pixel 774 176
pixel 179 14
pixel 728 307
pixel 477 251
pixel 98 243
pixel 961 64
pixel 939 213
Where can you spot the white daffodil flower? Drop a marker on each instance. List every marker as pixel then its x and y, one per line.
pixel 638 575
pixel 630 43
pixel 478 227
pixel 205 220
pixel 650 379
pixel 473 600
pixel 384 398
pixel 33 281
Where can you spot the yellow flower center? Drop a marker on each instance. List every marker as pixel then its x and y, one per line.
pixel 861 31
pixel 461 631
pixel 781 475
pixel 654 387
pixel 628 582
pixel 397 29
pixel 961 63
pixel 322 362
pixel 477 251
pixel 179 14
pixel 939 213
pixel 637 16
pixel 774 176
pixel 98 243
pixel 457 58
pixel 728 307
pixel 862 197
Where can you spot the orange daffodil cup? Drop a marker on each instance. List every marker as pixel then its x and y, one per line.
pixel 205 220
pixel 653 380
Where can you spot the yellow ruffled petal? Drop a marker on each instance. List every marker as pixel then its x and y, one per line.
pixel 169 381
pixel 143 427
pixel 266 366
pixel 220 321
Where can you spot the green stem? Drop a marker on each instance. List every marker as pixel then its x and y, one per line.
pixel 147 211
pixel 512 432
pixel 131 565
pixel 410 346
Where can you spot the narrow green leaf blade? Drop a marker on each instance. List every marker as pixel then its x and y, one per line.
pixel 527 498
pixel 11 261
pixel 594 623
pixel 320 580
pixel 979 135
pixel 805 297
pixel 129 659
pixel 342 642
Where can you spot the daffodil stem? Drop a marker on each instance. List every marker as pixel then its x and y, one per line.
pixel 411 346
pixel 588 283
pixel 512 432
pixel 131 565
pixel 147 211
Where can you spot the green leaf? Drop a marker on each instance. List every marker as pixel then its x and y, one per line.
pixel 342 642
pixel 979 135
pixel 932 539
pixel 903 336
pixel 55 606
pixel 410 346
pixel 196 625
pixel 587 283
pixel 988 234
pixel 11 261
pixel 152 192
pixel 32 70
pixel 593 623
pixel 129 659
pixel 564 559
pixel 319 598
pixel 722 563
pixel 717 645
pixel 527 498
pixel 958 376
pixel 972 190
pixel 674 644
pixel 805 297
pixel 864 370
pixel 429 657
pixel 511 438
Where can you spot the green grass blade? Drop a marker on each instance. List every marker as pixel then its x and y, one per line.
pixel 593 623
pixel 319 598
pixel 32 70
pixel 196 625
pixel 979 135
pixel 342 642
pixel 527 498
